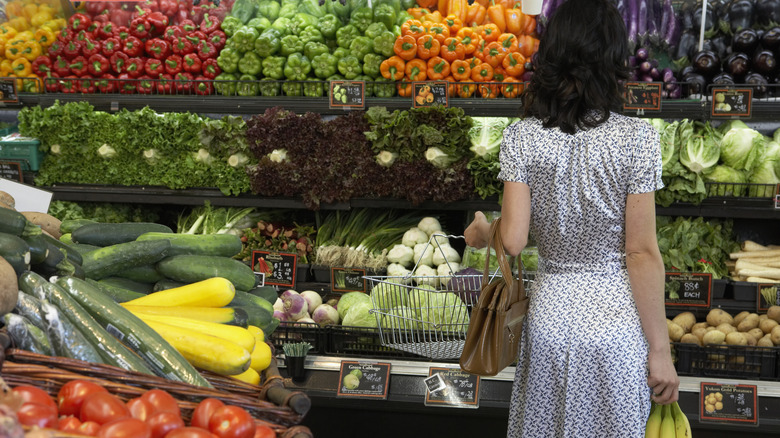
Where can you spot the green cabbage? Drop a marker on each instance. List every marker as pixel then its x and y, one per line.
pixel 388 295
pixel 729 181
pixel 441 311
pixel 766 171
pixel 486 135
pixel 348 300
pixel 741 148
pixel 700 150
pixel 776 135
pixel 402 318
pixel 359 315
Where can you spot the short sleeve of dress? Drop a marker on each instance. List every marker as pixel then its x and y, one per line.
pixel 510 157
pixel 645 171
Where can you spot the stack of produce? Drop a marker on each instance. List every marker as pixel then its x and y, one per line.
pixel 756 263
pixel 486 136
pixel 667 421
pixel 275 236
pixel 305 307
pixel 722 328
pixel 696 245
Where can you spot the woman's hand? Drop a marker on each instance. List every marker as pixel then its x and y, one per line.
pixel 478 231
pixel 662 377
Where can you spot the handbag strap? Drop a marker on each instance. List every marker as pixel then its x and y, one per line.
pixel 505 266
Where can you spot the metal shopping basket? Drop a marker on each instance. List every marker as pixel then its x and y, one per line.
pixel 427 315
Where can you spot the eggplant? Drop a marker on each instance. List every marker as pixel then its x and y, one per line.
pixel 739 14
pixel 686 14
pixel 764 62
pixel 770 40
pixel 759 83
pixel 706 63
pixel 711 20
pixel 767 12
pixel 737 64
pixel 667 75
pixel 687 45
pixel 745 40
pixel 723 78
pixel 642 54
pixel 671 26
pixel 687 69
pixel 696 83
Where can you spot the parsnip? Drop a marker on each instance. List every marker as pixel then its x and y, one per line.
pixel 750 245
pixel 770 273
pixel 754 254
pixel 761 280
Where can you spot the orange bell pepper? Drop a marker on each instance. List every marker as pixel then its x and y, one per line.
pixel 392 68
pixel 416 70
pixel 452 49
pixel 454 23
pixel 499 74
pixel 475 15
pixel 440 31
pixel 452 86
pixel 469 39
pixel 490 32
pixel 413 28
pixel 488 90
pixel 427 47
pixel 434 16
pixel 483 72
pixel 474 62
pixel 511 88
pixel 514 64
pixel 458 8
pixel 508 41
pixel 527 45
pixel 484 3
pixel 466 89
pixel 405 87
pixel 528 25
pixel 494 54
pixel 418 12
pixel 405 47
pixel 497 15
pixel 480 52
pixel 461 70
pixel 514 20
pixel 442 6
pixel 438 68
pixel 427 4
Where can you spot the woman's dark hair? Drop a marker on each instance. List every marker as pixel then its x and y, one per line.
pixel 581 61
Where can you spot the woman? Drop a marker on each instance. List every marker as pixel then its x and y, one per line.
pixel 582 177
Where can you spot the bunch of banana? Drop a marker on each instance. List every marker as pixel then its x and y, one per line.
pixel 667 421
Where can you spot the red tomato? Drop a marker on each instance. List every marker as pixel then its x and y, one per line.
pixel 89 428
pixel 36 414
pixel 232 422
pixel 164 422
pixel 72 395
pixel 102 408
pixel 68 424
pixel 32 394
pixel 125 428
pixel 202 413
pixel 190 432
pixel 263 431
pixel 140 408
pixel 162 401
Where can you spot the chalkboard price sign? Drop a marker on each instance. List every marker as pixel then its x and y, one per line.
pixel 347 94
pixel 688 289
pixel 430 93
pixel 8 91
pixel 364 379
pixel 726 403
pixel 643 96
pixel 11 170
pixel 347 280
pixel 278 267
pixel 731 102
pixel 451 387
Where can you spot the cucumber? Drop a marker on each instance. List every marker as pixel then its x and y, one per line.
pixel 56 263
pixel 118 294
pixel 190 268
pixel 108 347
pixel 70 225
pixel 142 274
pixel 268 293
pixel 82 248
pixel 161 357
pixel 106 234
pixel 114 259
pixel 66 239
pixel 14 223
pixel 38 248
pixel 73 256
pixel 30 307
pixel 126 283
pixel 166 284
pixel 26 335
pixel 259 311
pixel 66 339
pixel 15 251
pixel 225 245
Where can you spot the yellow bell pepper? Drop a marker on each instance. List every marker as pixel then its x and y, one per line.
pixel 29 10
pixel 25 35
pixel 39 18
pixel 7 31
pixel 19 23
pixel 14 9
pixel 44 36
pixel 53 25
pixel 13 51
pixel 5 68
pixel 31 50
pixel 21 67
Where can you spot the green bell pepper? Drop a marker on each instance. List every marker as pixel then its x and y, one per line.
pixel 386 15
pixel 408 4
pixel 291 44
pixel 268 43
pixel 361 46
pixel 244 10
pixel 368 90
pixel 282 25
pixel 268 87
pixel 383 44
pixel 371 62
pixel 312 7
pixel 350 67
pixel 273 67
pixel 228 60
pixel 311 34
pixel 297 67
pixel 403 17
pixel 355 4
pixel 268 9
pixel 328 24
pixel 225 84
pixel 245 37
pixel 250 64
pixel 301 21
pixel 288 11
pixel 290 2
pixel 260 24
pixel 313 89
pixel 361 18
pixel 384 87
pixel 230 25
pixel 374 29
pixel 292 88
pixel 324 65
pixel 312 49
pixel 248 86
pixel 340 52
pixel 346 34
pixel 339 9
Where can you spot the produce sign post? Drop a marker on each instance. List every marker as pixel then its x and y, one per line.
pixel 451 387
pixel 767 296
pixel 347 280
pixel 347 94
pixel 730 102
pixel 429 94
pixel 8 91
pixel 364 379
pixel 644 96
pixel 11 170
pixel 688 289
pixel 279 268
pixel 726 403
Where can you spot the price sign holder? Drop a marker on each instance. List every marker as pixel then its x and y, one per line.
pixel 278 267
pixel 364 379
pixel 451 387
pixel 8 92
pixel 347 280
pixel 727 403
pixel 767 296
pixel 645 96
pixel 347 94
pixel 688 289
pixel 732 102
pixel 11 170
pixel 777 197
pixel 429 93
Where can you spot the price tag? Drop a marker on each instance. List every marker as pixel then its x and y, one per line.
pixel 259 279
pixel 724 403
pixel 347 94
pixel 643 96
pixel 347 280
pixel 730 102
pixel 451 387
pixel 8 91
pixel 688 289
pixel 777 197
pixel 278 267
pixel 11 170
pixel 364 379
pixel 768 295
pixel 430 93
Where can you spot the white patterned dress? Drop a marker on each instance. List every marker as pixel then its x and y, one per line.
pixel 582 366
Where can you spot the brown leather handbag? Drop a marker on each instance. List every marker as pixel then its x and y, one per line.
pixel 493 336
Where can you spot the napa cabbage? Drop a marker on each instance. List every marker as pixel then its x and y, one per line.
pixel 486 135
pixel 741 148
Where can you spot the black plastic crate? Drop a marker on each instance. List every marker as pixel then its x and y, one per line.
pixel 363 342
pixel 719 288
pixel 293 332
pixel 727 361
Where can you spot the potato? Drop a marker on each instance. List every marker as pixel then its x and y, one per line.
pixel 690 338
pixel 762 317
pixel 766 341
pixel 734 360
pixel 717 317
pixel 699 324
pixel 767 325
pixel 756 333
pixel 8 200
pixel 699 332
pixel 773 313
pixel 749 323
pixel 775 334
pixel 686 320
pixel 751 341
pixel 714 337
pixel 9 287
pixel 48 223
pixel 740 316
pixel 675 331
pixel 726 328
pixel 736 338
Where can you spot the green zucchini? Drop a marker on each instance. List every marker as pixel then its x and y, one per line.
pixel 82 248
pixel 106 234
pixel 190 268
pixel 15 251
pixel 73 256
pixel 268 293
pixel 56 263
pixel 13 222
pixel 118 294
pixel 161 357
pixel 259 311
pixel 142 274
pixel 26 335
pixel 66 239
pixel 126 283
pixel 69 225
pixel 166 284
pixel 66 339
pixel 107 346
pixel 112 260
pixel 38 248
pixel 225 245
pixel 30 307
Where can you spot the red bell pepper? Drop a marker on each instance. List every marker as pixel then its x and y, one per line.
pixel 122 33
pixel 145 85
pixel 173 64
pixel 207 50
pixel 197 12
pixel 61 67
pixel 51 83
pixel 99 20
pixel 188 26
pixel 180 16
pixel 209 24
pixel 72 49
pixel 182 46
pixel 111 46
pixel 126 84
pixel 203 86
pixel 154 67
pixel 135 67
pixel 191 63
pixel 55 49
pixel 79 22
pixel 168 7
pixel 120 14
pixel 196 36
pixel 218 38
pixel 219 12
pixel 210 68
pixel 183 83
pixel 95 8
pixel 98 65
pixel 150 5
pixel 140 27
pixel 82 36
pixel 119 62
pixel 91 47
pixel 86 84
pixel 107 30
pixel 172 32
pixel 158 21
pixel 133 47
pixel 79 66
pixel 65 35
pixel 42 66
pixel 69 84
pixel 165 84
pixel 106 83
pixel 157 48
